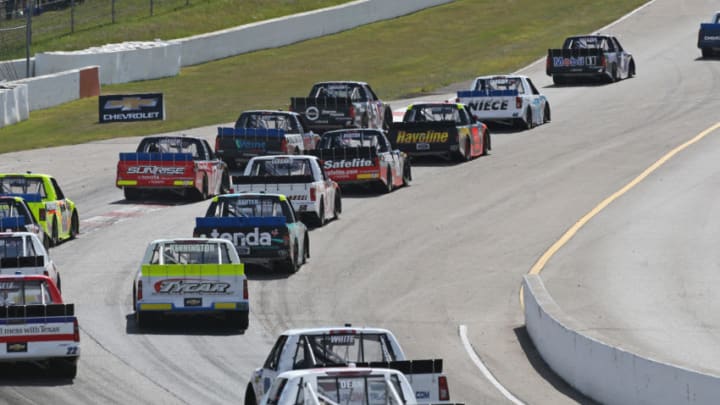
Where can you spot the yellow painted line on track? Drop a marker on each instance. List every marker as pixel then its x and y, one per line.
pixel 542 261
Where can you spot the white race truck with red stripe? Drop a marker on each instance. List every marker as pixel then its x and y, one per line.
pixel 299 349
pixel 300 178
pixel 36 326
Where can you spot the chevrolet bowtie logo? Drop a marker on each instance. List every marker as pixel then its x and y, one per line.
pixel 130 103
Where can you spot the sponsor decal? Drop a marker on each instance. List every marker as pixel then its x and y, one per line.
pixel 17 347
pixel 575 61
pixel 489 105
pixel 29 330
pixel 342 340
pixel 131 107
pixel 424 137
pixel 711 38
pixel 254 238
pixel 243 144
pixel 343 164
pixel 8 285
pixel 312 113
pixel 422 394
pixel 156 170
pixel 182 286
pixel 193 302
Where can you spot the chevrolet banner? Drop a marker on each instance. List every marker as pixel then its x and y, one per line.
pixel 131 107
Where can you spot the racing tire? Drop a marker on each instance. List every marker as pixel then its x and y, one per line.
pixel 306 249
pixel 468 151
pixel 58 283
pixel 546 114
pixel 54 237
pixel 613 74
pixel 407 173
pixel 74 225
pixel 63 368
pixel 250 396
pixel 388 187
pixel 238 320
pixel 365 121
pixel 387 119
pixel 337 207
pixel 631 68
pixel 320 217
pixel 486 143
pixel 225 183
pixel 292 265
pixel 46 241
pixel 131 194
pixel 203 195
pixel 559 80
pixel 528 120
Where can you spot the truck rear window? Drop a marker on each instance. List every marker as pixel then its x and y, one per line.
pixel 24 292
pixel 360 390
pixel 281 167
pixel 190 253
pixel 12 246
pixel 341 349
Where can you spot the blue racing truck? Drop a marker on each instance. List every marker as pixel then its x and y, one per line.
pixel 709 37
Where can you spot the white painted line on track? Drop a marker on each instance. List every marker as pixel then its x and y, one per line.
pixel 484 370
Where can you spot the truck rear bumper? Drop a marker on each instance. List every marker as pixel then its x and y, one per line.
pixel 38 351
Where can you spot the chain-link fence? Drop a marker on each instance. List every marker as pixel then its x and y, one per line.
pixel 49 19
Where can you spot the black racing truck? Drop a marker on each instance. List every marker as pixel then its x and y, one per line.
pixel 589 57
pixel 342 104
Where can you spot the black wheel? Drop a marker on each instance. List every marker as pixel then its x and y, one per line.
pixel 387 119
pixel 131 194
pixel 546 114
pixel 486 143
pixel 407 173
pixel 203 195
pixel 58 283
pixel 320 217
pixel 613 74
pixel 225 183
pixel 54 238
pixel 74 225
pixel 46 241
pixel 631 68
pixel 337 207
pixel 292 265
pixel 306 249
pixel 238 320
pixel 559 80
pixel 388 187
pixel 63 368
pixel 250 396
pixel 365 121
pixel 528 119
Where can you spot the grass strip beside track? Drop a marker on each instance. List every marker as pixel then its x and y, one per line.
pixel 406 56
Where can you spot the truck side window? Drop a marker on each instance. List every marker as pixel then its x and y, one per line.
pixel 618 47
pixel 58 193
pixel 274 357
pixel 371 94
pixel 532 87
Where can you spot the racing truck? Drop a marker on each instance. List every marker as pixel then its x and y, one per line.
pixel 16 215
pixel 363 157
pixel 263 227
pixel 341 385
pixel 56 214
pixel 191 276
pixel 36 326
pixel 709 37
pixel 589 57
pixel 23 253
pixel 507 100
pixel 314 196
pixel 342 104
pixel 301 349
pixel 263 132
pixel 179 164
pixel 440 129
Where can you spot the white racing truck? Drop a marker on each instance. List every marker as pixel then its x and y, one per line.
pixel 300 349
pixel 24 253
pixel 341 385
pixel 36 326
pixel 191 276
pixel 302 179
pixel 508 99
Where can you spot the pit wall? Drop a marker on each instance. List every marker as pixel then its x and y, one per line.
pixel 603 372
pixel 54 83
pixel 14 105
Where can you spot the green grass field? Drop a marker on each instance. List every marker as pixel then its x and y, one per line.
pixel 405 56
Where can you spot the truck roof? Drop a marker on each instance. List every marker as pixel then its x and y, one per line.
pixel 487 77
pixel 338 371
pixel 284 112
pixel 189 240
pixel 293 157
pixel 335 329
pixel 340 82
pixel 251 194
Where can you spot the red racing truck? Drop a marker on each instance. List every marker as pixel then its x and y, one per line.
pixel 178 164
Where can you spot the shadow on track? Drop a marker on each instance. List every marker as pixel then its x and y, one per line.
pixel 29 375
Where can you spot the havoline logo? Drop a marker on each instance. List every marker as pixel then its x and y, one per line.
pixel 253 238
pixel 425 137
pixel 346 164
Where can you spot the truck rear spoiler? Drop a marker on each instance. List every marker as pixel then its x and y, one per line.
pixel 366 152
pixel 325 102
pixel 14 223
pixel 36 311
pixel 238 222
pixel 251 132
pixel 431 366
pixel 487 93
pixel 272 179
pixel 155 157
pixel 29 197
pixel 22 261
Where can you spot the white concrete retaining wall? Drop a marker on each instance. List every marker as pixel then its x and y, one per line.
pixel 119 63
pixel 51 90
pixel 15 69
pixel 13 103
pixel 607 374
pixel 287 30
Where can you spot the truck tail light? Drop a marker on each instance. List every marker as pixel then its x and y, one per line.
pixel 352 111
pixel 312 193
pixel 42 214
pixel 245 289
pixel 139 290
pixel 443 388
pixel 547 65
pixel 290 108
pixel 286 240
pixel 518 102
pixel 76 331
pixel 217 144
pixel 603 61
pixel 283 146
